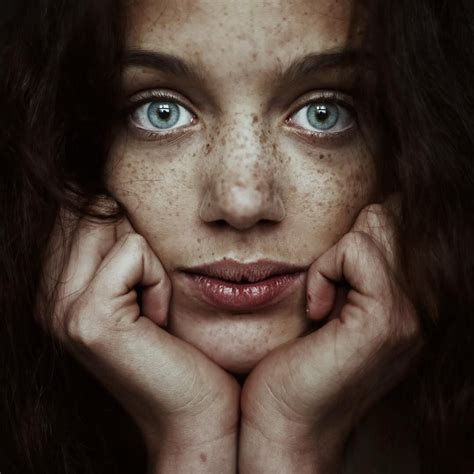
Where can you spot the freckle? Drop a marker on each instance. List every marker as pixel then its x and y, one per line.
pixel 254 118
pixel 321 156
pixel 203 457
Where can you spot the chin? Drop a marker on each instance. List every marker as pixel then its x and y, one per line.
pixel 237 361
pixel 237 343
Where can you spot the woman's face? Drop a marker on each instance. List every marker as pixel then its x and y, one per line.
pixel 242 146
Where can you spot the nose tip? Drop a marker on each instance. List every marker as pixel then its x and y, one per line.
pixel 242 206
pixel 245 207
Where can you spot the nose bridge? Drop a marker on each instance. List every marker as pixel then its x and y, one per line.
pixel 244 162
pixel 243 189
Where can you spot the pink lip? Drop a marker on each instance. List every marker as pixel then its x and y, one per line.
pixel 234 286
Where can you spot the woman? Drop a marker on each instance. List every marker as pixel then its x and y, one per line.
pixel 235 237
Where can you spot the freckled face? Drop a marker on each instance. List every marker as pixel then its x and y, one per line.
pixel 239 154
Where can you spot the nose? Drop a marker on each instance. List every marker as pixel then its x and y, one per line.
pixel 242 187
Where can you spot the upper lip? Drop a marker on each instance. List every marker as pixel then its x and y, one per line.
pixel 232 270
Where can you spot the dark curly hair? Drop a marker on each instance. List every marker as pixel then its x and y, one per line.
pixel 60 64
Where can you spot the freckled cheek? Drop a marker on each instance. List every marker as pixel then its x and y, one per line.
pixel 329 201
pixel 158 199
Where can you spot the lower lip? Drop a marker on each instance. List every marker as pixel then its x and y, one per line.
pixel 226 295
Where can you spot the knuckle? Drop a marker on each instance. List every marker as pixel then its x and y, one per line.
pixel 357 242
pixel 137 239
pixel 374 220
pixel 135 242
pixel 369 216
pixel 82 326
pixel 406 330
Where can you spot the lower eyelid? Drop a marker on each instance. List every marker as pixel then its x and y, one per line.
pixel 318 139
pixel 166 136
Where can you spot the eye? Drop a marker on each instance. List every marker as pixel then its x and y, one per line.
pixel 156 115
pixel 323 116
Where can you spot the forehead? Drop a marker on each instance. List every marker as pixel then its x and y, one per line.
pixel 214 33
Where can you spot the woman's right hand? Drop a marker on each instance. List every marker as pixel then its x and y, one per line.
pixel 184 404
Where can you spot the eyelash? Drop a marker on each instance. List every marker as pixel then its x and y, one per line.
pixel 342 101
pixel 148 97
pixel 333 98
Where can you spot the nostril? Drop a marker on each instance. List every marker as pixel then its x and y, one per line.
pixel 268 222
pixel 220 223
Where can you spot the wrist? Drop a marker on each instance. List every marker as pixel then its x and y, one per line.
pixel 205 443
pixel 218 455
pixel 287 449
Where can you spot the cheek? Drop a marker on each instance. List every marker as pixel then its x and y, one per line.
pixel 328 194
pixel 157 195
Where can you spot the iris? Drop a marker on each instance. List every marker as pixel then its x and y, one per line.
pixel 322 116
pixel 163 114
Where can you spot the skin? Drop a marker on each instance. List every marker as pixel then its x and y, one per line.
pixel 239 182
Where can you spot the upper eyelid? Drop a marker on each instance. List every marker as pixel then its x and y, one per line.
pixel 340 98
pixel 142 97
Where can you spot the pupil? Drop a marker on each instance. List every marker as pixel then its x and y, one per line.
pixel 164 111
pixel 322 113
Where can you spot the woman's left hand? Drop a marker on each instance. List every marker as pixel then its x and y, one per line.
pixel 301 402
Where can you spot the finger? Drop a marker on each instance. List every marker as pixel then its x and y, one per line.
pixel 378 221
pixel 354 260
pixel 130 263
pixel 111 336
pixel 320 295
pixel 91 240
pixel 76 249
pixel 91 243
pixel 123 227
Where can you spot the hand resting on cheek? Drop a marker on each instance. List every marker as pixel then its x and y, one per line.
pixel 297 406
pixel 184 404
pixel 301 402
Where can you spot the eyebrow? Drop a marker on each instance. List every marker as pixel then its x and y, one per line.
pixel 304 66
pixel 315 63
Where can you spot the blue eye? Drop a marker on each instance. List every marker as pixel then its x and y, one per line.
pixel 161 115
pixel 324 117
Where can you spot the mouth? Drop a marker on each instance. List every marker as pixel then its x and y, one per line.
pixel 233 286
